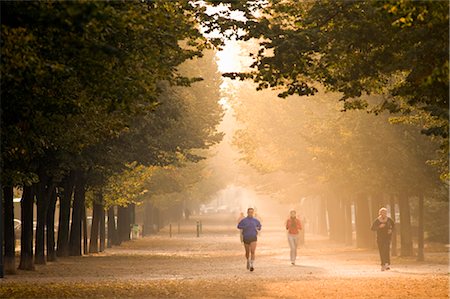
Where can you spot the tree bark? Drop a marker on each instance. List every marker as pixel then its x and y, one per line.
pixel 420 253
pixel 9 261
pixel 405 227
pixel 77 213
pixel 113 238
pixel 96 216
pixel 322 220
pixel 159 218
pixel 333 221
pixel 348 222
pixel 102 228
pixel 26 238
pixel 363 233
pixel 123 223
pixel 132 213
pixel 85 231
pixel 51 253
pixel 148 219
pixel 394 232
pixel 341 220
pixel 42 196
pixel 64 217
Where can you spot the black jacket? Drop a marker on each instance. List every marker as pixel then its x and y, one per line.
pixel 385 233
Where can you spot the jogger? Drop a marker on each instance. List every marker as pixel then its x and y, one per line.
pixel 250 227
pixel 293 226
pixel 384 226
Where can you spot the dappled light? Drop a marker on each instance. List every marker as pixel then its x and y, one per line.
pixel 224 149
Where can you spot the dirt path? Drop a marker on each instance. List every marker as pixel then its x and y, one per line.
pixel 213 266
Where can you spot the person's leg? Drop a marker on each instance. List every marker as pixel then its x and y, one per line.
pixel 247 254
pixel 291 246
pixel 387 261
pixel 380 251
pixel 295 239
pixel 385 254
pixel 252 250
pixel 247 250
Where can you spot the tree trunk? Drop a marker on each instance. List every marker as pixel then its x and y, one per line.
pixel 405 227
pixel 2 233
pixel 9 261
pixel 322 220
pixel 420 254
pixel 148 219
pixel 127 227
pixel 64 217
pixel 51 253
pixel 77 213
pixel 132 213
pixel 348 223
pixel 96 216
pixel 333 209
pixel 363 233
pixel 123 223
pixel 159 219
pixel 26 238
pixel 85 231
pixel 341 220
pixel 102 228
pixel 394 232
pixel 42 196
pixel 113 238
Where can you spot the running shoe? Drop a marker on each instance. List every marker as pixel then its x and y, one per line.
pixel 386 267
pixel 251 268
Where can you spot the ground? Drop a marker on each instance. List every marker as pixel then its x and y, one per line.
pixel 213 266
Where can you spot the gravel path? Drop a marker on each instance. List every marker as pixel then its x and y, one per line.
pixel 213 266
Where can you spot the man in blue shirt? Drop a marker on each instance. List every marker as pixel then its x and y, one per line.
pixel 250 227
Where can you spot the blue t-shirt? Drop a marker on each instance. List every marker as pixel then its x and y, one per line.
pixel 249 226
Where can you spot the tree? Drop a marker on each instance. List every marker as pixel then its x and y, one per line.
pixel 93 67
pixel 310 148
pixel 395 48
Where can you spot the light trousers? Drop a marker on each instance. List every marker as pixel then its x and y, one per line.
pixel 293 243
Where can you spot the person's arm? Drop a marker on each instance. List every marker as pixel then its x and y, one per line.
pixel 241 224
pixel 392 224
pixel 287 224
pixel 258 225
pixel 299 224
pixel 375 225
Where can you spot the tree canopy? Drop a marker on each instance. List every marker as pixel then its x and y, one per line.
pixel 398 49
pixel 83 81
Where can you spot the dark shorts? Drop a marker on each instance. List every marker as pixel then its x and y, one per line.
pixel 249 240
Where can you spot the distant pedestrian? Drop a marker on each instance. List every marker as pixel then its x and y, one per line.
pixel 293 227
pixel 250 227
pixel 384 226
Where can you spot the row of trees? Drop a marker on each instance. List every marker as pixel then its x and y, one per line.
pixel 90 104
pixel 310 149
pixel 375 56
pixel 397 49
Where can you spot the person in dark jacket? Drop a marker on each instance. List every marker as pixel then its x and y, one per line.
pixel 250 227
pixel 384 226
